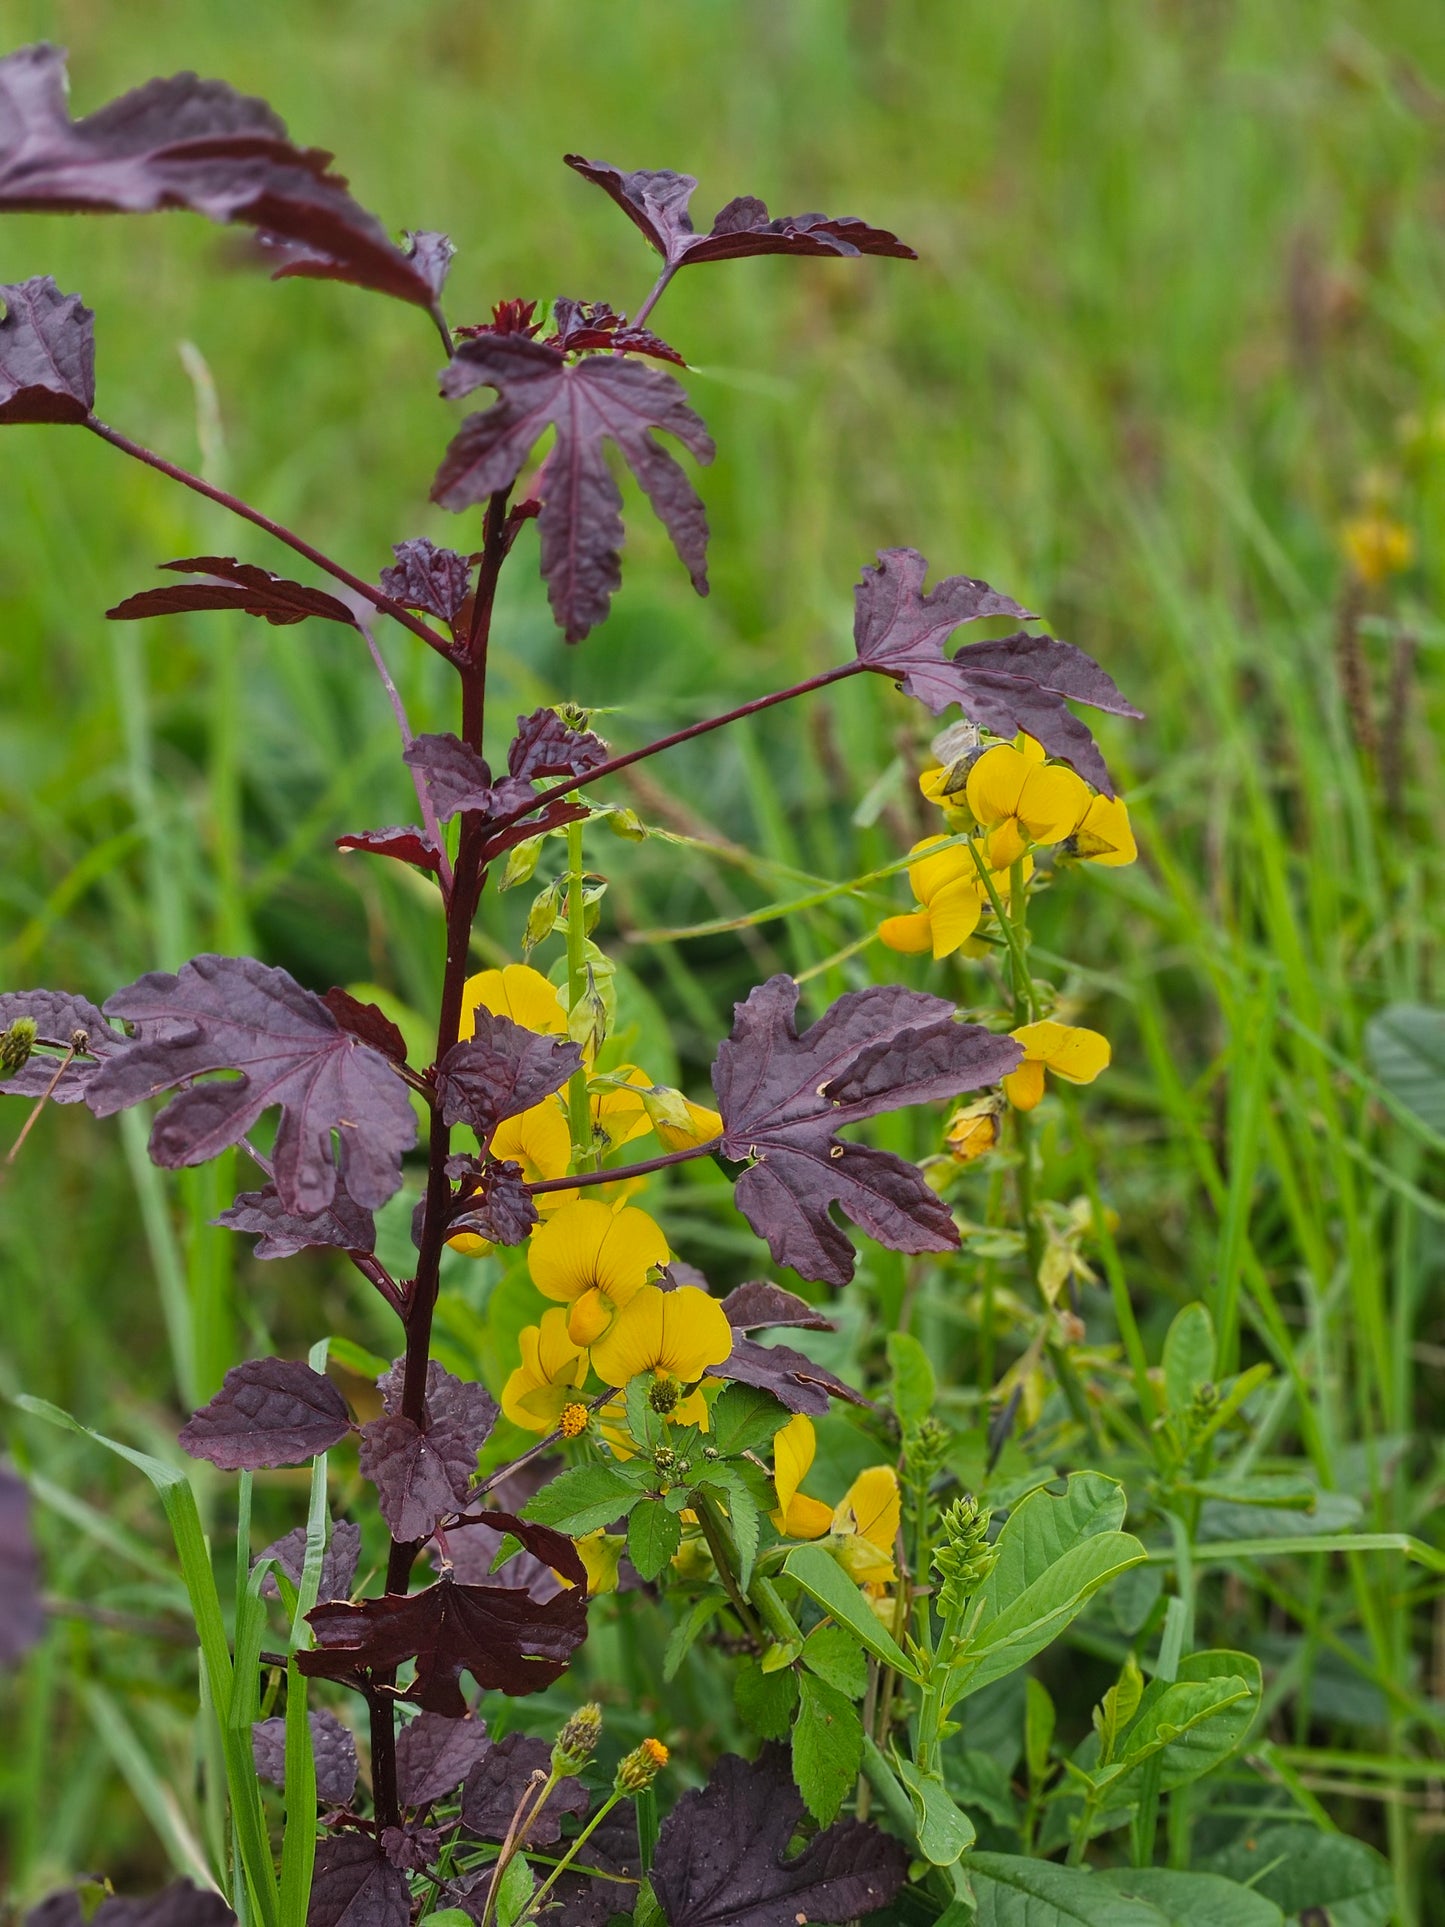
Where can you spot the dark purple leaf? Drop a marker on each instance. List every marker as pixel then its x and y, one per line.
pixel 472 1549
pixel 500 1207
pixel 181 1905
pixel 434 1755
pixel 369 1022
pixel 59 1020
pixel 332 1744
pixel 355 1885
pixel 496 1784
pixel 432 254
pixel 784 1098
pixel 656 199
pixel 458 779
pixel 605 398
pixel 1017 683
pixel 760 1303
pixel 583 326
pixel 21 1619
pixel 269 1411
pixel 403 842
pixel 722 1855
pixel 186 142
pixel 793 1379
pixel 338 1562
pixel 230 584
pixel 343 1224
pixel 47 349
pixel 546 745
pixel 506 1639
pixel 57 1910
pixel 426 577
pixel 412 1848
pixel 516 317
pixel 501 1071
pixel 234 1014
pixel 585 1901
pixel 423 1472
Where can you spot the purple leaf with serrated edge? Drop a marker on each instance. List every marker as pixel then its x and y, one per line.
pixel 722 1855
pixel 269 1411
pixel 506 1639
pixel 355 1885
pixel 472 1549
pixel 58 1018
pixel 338 1562
pixel 500 1206
pixel 434 1755
pixel 656 200
pixel 783 1099
pixel 232 1013
pixel 21 1619
pixel 761 1303
pixel 497 1782
pixel 332 1744
pixel 280 1233
pixel 186 142
pixel 1017 683
pixel 47 352
pixel 424 1472
pixel 605 398
pixel 369 1022
pixel 547 746
pixel 429 578
pixel 181 1905
pixel 412 1848
pixel 404 842
pixel 432 254
pixel 583 326
pixel 793 1379
pixel 501 1071
pixel 458 779
pixel 583 1900
pixel 230 584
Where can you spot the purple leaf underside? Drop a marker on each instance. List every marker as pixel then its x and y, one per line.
pixel 47 351
pixel 61 1022
pixel 500 1071
pixel 229 584
pixel 436 581
pixel 434 1755
pixel 423 1472
pixel 499 1778
pixel 338 1562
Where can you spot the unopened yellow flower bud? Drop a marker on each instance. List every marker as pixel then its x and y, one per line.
pixel 641 1767
pixel 577 1741
pixel 973 1130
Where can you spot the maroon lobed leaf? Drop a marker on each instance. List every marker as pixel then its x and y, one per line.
pixel 186 142
pixel 458 779
pixel 793 1379
pixel 47 352
pixel 230 584
pixel 584 1900
pixel 783 1099
pixel 434 1755
pixel 342 1225
pixel 181 1905
pixel 515 317
pixel 234 1014
pixel 333 1745
pixel 472 1549
pixel 429 578
pixel 338 1562
pixel 500 1071
pixel 500 1206
pixel 268 1412
pixel 760 1303
pixel 547 745
pixel 432 254
pixel 583 326
pixel 605 398
pixel 62 1022
pixel 21 1619
pixel 421 1473
pixel 404 842
pixel 355 1885
pixel 656 200
pixel 369 1022
pixel 1005 686
pixel 509 1641
pixel 412 1848
pixel 722 1855
pixel 497 1782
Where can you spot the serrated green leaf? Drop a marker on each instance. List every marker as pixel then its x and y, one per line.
pixel 745 1418
pixel 828 1586
pixel 653 1536
pixel 835 1655
pixel 583 1498
pixel 1189 1356
pixel 912 1385
pixel 765 1701
pixel 943 1832
pixel 1193 1899
pixel 827 1747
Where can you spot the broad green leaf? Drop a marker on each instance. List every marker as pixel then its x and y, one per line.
pixel 912 1384
pixel 1043 1526
pixel 1193 1899
pixel 515 1891
pixel 1405 1044
pixel 943 1833
pixel 827 1747
pixel 583 1498
pixel 828 1586
pixel 450 1917
pixel 1002 1643
pixel 687 1630
pixel 1039 1720
pixel 1299 1867
pixel 653 1536
pixel 1190 1725
pixel 765 1700
pixel 745 1418
pixel 1117 1708
pixel 1293 1490
pixel 1189 1357
pixel 835 1655
pixel 646 1426
pixel 1014 1892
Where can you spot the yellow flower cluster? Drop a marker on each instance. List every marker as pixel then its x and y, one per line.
pixel 860 1531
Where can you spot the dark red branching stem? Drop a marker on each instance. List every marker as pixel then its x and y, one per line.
pixel 383 1756
pixel 623 1171
pixel 282 534
pixel 655 293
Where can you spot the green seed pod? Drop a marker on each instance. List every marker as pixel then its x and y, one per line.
pixel 16 1045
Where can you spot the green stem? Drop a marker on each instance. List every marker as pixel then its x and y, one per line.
pixel 578 1107
pixel 529 1912
pixel 719 1544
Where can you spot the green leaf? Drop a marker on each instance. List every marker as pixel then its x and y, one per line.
pixel 943 1833
pixel 1292 1490
pixel 647 1427
pixel 1192 1724
pixel 827 1747
pixel 648 1912
pixel 1190 1357
pixel 1039 1720
pixel 1405 1044
pixel 835 1656
pixel 1044 1525
pixel 1299 1867
pixel 1014 1892
pixel 746 1526
pixel 653 1536
pixel 828 1586
pixel 1003 1641
pixel 765 1701
pixel 583 1498
pixel 912 1384
pixel 515 1890
pixel 687 1630
pixel 1193 1899
pixel 1117 1708
pixel 745 1419
pixel 450 1917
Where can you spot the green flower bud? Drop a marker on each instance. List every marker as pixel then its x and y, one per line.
pixel 16 1045
pixel 577 1741
pixel 963 1558
pixel 641 1767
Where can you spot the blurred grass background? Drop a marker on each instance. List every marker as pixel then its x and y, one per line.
pixel 1178 310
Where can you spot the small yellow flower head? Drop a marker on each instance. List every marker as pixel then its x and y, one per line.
pixel 1376 547
pixel 16 1045
pixel 1069 1051
pixel 574 1420
pixel 641 1767
pixel 543 1388
pixel 577 1741
pixel 594 1259
pixel 1105 836
pixel 1023 800
pixel 675 1334
pixel 973 1130
pixel 516 991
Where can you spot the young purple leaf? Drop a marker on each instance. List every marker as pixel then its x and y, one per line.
pixel 589 403
pixel 425 577
pixel 495 1786
pixel 268 1412
pixel 369 1022
pixel 341 1225
pixel 432 255
pixel 63 1024
pixel 355 1885
pixel 501 1071
pixel 434 1755
pixel 192 143
pixel 583 326
pixel 234 1014
pixel 722 1855
pixel 21 1619
pixel 230 584
pixel 760 1303
pixel 47 350
pixel 546 745
pixel 500 1208
pixel 458 779
pixel 783 1099
pixel 413 1848
pixel 338 1562
pixel 793 1379
pixel 404 842
pixel 421 1473
pixel 332 1744
pixel 656 200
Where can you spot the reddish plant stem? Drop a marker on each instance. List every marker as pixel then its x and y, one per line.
pixel 622 1171
pixel 655 292
pixel 282 534
pixel 383 1757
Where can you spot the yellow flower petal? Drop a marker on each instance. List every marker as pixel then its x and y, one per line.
pixel 912 936
pixel 680 1124
pixel 996 782
pixel 601 1555
pixel 1069 1051
pixel 541 1143
pixel 805 1518
pixel 1024 1087
pixel 953 915
pixel 872 1508
pixel 588 1245
pixel 589 1317
pixel 516 991
pixel 546 1381
pixel 618 1112
pixel 1052 803
pixel 1006 846
pixel 938 872
pixel 1030 747
pixel 470 1245
pixel 1106 835
pixel 794 1447
pixel 633 1342
pixel 678 1333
